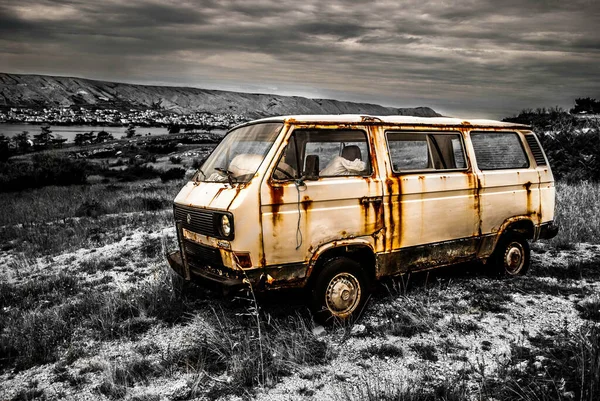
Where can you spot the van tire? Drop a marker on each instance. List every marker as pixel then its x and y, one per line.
pixel 339 292
pixel 512 256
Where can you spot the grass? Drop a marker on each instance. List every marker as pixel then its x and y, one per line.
pixel 372 387
pixel 49 317
pixel 382 351
pixel 53 204
pixel 563 366
pixel 589 308
pixel 31 335
pixel 226 347
pixel 577 211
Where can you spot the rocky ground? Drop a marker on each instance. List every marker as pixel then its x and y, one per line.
pixel 453 331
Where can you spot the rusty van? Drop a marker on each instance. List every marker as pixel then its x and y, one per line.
pixel 332 203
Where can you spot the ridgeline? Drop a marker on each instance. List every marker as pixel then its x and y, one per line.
pixel 39 91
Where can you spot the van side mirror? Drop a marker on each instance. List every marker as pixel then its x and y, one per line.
pixel 311 167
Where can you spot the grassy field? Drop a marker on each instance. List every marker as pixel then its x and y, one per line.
pixel 88 308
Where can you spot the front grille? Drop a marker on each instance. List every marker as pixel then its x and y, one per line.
pixel 536 149
pixel 200 221
pixel 200 255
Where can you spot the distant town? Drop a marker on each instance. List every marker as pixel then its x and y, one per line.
pixel 114 117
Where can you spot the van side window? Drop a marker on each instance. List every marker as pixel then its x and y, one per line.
pixel 425 151
pixel 327 152
pixel 495 151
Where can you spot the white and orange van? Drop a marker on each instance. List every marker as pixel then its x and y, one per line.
pixel 332 203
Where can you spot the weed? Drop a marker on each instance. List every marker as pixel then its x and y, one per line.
pixel 228 346
pixel 31 392
pixel 382 351
pixel 375 388
pixel 176 173
pixel 563 366
pixel 485 300
pixel 152 247
pixel 44 291
pixel 463 326
pixel 575 269
pixel 589 308
pixel 425 351
pixel 407 317
pixel 43 170
pixel 90 208
pixel 33 338
pixel 93 265
pixel 578 205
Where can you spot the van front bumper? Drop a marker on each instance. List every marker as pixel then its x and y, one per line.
pixel 200 275
pixel 271 277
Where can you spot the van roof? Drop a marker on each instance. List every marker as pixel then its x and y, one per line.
pixel 396 120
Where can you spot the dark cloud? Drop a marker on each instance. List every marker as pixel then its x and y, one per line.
pixel 472 57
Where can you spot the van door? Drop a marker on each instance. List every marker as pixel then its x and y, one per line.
pixel 323 188
pixel 431 201
pixel 509 185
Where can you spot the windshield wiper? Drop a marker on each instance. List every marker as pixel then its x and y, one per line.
pixel 228 173
pixel 203 175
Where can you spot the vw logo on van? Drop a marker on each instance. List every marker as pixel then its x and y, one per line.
pixel 189 218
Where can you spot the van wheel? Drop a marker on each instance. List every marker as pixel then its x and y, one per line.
pixel 339 292
pixel 512 256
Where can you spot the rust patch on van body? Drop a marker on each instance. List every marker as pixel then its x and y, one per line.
pixel 306 203
pixel 276 202
pixel 527 187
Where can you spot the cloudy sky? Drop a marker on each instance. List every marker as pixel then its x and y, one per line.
pixel 471 58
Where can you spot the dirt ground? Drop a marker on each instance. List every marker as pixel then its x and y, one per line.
pixel 455 324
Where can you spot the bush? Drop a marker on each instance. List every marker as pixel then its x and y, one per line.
pixel 132 173
pixel 571 143
pixel 91 208
pixel 172 174
pixel 43 170
pixel 562 366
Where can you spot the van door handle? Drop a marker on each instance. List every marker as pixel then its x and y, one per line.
pixel 373 199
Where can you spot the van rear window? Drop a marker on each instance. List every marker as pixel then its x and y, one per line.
pixel 418 151
pixel 497 151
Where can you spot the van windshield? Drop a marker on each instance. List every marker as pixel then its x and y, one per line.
pixel 237 158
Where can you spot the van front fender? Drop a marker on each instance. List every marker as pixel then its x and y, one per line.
pixel 337 248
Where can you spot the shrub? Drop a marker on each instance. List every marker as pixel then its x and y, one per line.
pixel 132 173
pixel 197 162
pixel 175 159
pixel 43 170
pixel 571 143
pixel 90 208
pixel 563 366
pixel 172 174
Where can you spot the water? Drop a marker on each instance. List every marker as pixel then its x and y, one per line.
pixel 69 131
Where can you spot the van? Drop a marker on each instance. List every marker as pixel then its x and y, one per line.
pixel 332 203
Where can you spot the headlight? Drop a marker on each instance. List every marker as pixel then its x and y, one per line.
pixel 225 225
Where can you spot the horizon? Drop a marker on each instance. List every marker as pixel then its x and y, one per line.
pixel 469 59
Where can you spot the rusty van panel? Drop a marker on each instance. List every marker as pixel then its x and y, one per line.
pixel 427 256
pixel 300 218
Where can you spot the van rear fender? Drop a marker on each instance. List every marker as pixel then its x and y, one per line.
pixel 358 249
pixel 521 224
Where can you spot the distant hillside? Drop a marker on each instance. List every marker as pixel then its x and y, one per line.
pixel 18 90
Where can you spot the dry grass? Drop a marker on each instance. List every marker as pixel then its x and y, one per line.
pixel 577 211
pixel 51 317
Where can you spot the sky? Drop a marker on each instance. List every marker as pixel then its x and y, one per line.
pixel 463 58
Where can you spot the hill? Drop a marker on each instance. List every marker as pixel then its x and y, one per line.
pixel 35 91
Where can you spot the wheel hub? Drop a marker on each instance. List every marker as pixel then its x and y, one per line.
pixel 343 294
pixel 513 258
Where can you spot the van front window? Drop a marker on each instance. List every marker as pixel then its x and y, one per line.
pixel 237 158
